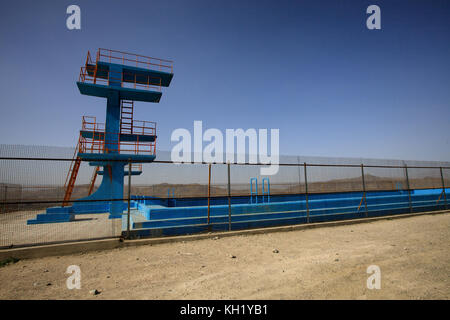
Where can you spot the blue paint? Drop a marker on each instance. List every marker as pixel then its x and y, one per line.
pixel 190 215
pixel 125 173
pixel 252 191
pixel 51 218
pixel 112 161
pixel 104 157
pixel 171 201
pixel 266 192
pixel 123 137
pixel 132 73
pixel 113 172
pixel 98 90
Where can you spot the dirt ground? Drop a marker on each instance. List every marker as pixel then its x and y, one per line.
pixel 413 255
pixel 15 231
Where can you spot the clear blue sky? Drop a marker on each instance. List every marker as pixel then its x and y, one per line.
pixel 310 68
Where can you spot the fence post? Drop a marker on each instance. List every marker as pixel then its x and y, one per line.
pixel 129 199
pixel 209 188
pixel 306 194
pixel 229 200
pixel 4 203
pixel 20 205
pixel 364 189
pixel 443 189
pixel 409 190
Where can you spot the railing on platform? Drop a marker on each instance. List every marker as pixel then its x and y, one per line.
pixel 139 127
pixel 97 144
pixel 135 60
pixel 89 62
pixel 89 123
pixel 136 167
pixel 146 128
pixel 106 77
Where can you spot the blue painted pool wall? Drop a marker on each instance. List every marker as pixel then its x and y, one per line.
pixel 182 219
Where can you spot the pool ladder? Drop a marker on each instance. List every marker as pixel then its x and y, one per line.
pixel 254 191
pixel 174 200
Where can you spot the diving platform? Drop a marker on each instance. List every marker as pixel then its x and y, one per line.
pixel 125 173
pixel 122 136
pixel 100 90
pixel 98 147
pixel 96 159
pixel 131 74
pixel 135 77
pixel 121 78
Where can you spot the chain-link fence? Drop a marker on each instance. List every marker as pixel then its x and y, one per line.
pixel 33 181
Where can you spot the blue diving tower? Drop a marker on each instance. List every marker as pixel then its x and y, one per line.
pixel 121 78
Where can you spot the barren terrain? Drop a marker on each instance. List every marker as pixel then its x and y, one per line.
pixel 331 263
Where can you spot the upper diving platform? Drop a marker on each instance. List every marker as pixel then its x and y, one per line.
pixel 136 77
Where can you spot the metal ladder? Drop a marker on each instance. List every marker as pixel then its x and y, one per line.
pixel 94 177
pixel 265 192
pixel 173 196
pixel 71 176
pixel 126 116
pixel 253 192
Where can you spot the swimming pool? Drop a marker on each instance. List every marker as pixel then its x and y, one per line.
pixel 160 217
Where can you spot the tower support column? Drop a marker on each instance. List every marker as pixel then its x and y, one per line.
pixel 114 170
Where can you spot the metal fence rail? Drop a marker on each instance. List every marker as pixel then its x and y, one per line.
pixel 30 183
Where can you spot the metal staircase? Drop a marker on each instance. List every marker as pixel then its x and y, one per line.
pixel 71 177
pixel 126 116
pixel 94 177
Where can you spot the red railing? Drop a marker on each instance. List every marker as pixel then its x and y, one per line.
pixel 89 123
pixel 106 77
pixel 96 143
pixel 136 167
pixel 140 127
pixel 89 61
pixel 135 60
pixel 71 165
pixel 146 128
